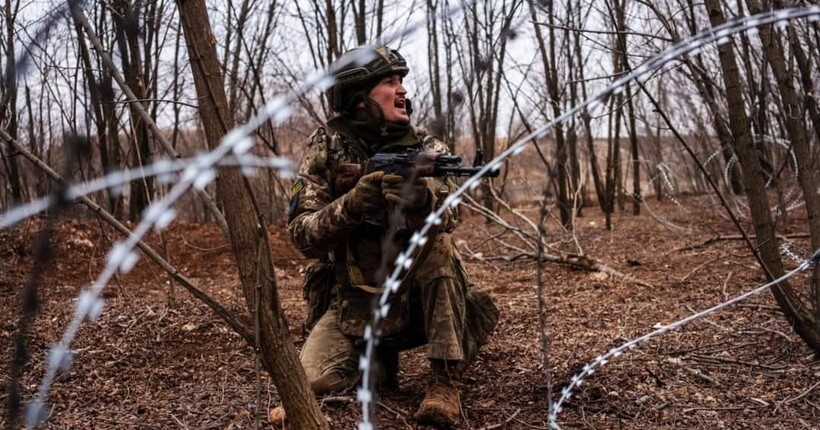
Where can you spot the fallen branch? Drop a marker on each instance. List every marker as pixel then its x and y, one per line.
pixel 526 237
pixel 575 261
pixel 590 264
pixel 721 360
pixel 803 394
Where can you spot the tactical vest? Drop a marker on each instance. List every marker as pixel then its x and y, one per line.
pixel 355 293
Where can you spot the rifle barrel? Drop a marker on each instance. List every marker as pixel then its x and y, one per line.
pixel 468 171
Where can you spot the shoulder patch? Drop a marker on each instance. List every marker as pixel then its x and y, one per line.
pixel 297 187
pixel 294 195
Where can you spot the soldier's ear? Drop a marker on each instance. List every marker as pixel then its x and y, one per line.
pixel 358 103
pixel 408 106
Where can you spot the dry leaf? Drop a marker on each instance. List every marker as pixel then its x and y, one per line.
pixel 277 416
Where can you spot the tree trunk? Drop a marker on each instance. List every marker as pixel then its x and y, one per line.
pixel 562 159
pixel 236 55
pixel 793 308
pixel 805 66
pixel 619 20
pixel 575 186
pixel 127 30
pixel 109 107
pixel 807 174
pixel 613 159
pixel 248 233
pixel 586 118
pixel 439 124
pixel 96 108
pixel 548 60
pixel 333 50
pixel 8 105
pixel 359 16
pixel 657 141
pixel 637 198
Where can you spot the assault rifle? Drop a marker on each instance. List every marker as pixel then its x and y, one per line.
pixel 423 164
pixel 406 163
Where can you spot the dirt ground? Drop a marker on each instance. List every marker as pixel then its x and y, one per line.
pixel 160 359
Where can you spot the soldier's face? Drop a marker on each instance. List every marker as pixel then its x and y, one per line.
pixel 391 97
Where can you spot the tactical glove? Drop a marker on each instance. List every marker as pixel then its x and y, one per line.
pixel 412 198
pixel 366 197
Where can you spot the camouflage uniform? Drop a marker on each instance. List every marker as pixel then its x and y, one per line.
pixel 439 307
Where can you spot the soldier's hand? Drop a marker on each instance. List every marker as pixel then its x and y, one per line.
pixel 366 197
pixel 414 197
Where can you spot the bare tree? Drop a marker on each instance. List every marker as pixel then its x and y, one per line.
pixel 434 72
pixel 486 27
pixel 575 186
pixel 577 66
pixel 99 116
pixel 8 102
pixel 549 60
pixel 444 121
pixel 127 23
pixel 619 20
pixel 246 226
pixel 807 173
pixel 794 309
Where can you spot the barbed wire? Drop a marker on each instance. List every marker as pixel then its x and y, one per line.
pixel 669 192
pixel 200 172
pixel 786 249
pixel 719 34
pixel 602 360
pixel 159 214
pixel 791 199
pixel 122 257
pixel 43 255
pixel 665 172
pixel 164 169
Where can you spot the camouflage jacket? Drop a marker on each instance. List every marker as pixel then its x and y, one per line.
pixel 320 226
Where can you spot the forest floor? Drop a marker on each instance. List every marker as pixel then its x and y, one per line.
pixel 157 359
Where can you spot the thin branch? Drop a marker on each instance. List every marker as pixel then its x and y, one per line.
pixel 81 19
pixel 220 310
pixel 584 30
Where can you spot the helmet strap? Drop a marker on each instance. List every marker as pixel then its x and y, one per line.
pixel 373 129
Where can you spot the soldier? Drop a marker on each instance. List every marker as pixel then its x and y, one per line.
pixel 342 218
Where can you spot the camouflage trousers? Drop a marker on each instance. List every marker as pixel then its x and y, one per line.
pixel 446 313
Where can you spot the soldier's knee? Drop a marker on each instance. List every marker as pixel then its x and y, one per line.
pixel 330 382
pixel 443 260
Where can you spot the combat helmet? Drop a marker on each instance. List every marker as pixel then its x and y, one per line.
pixel 354 77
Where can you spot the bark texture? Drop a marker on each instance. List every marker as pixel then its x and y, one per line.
pixel 246 228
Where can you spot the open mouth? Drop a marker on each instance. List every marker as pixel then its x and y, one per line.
pixel 399 103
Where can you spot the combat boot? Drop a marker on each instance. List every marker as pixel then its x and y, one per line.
pixel 442 402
